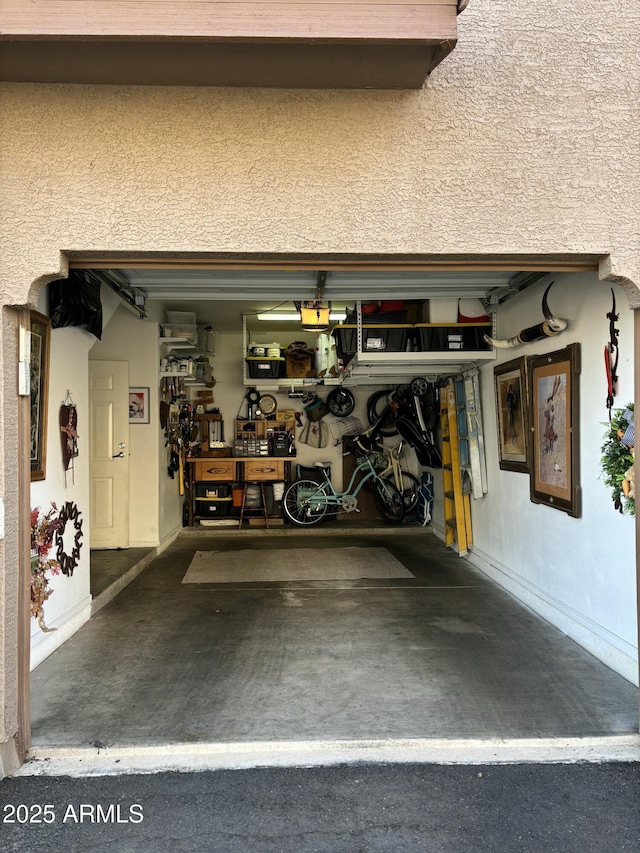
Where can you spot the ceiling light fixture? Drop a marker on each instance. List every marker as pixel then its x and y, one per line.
pixel 275 316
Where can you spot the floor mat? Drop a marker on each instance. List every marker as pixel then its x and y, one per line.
pixel 293 564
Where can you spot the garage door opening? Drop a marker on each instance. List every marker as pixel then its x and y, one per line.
pixel 398 655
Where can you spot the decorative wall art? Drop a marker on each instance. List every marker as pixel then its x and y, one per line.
pixel 512 414
pixel 554 405
pixel 40 327
pixel 68 419
pixel 138 405
pixel 618 459
pixel 68 557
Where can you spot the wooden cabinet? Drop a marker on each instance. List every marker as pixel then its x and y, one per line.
pixel 209 491
pixel 214 469
pixel 263 469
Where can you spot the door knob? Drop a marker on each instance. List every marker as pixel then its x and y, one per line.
pixel 119 455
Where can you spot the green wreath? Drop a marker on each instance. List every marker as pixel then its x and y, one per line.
pixel 618 462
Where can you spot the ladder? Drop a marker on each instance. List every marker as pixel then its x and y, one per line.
pixel 456 479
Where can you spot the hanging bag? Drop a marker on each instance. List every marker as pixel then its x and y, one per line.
pixel 316 409
pixel 315 434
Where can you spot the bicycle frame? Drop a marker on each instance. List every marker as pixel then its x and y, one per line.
pixel 320 498
pixel 395 466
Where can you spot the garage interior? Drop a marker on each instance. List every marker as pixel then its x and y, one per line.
pixel 443 654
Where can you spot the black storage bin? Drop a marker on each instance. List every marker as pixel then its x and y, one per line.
pixel 473 336
pixel 264 368
pixel 213 508
pixel 386 338
pixel 213 490
pixel 453 337
pixel 346 338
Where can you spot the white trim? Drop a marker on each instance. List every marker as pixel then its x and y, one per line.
pixel 614 651
pixel 43 644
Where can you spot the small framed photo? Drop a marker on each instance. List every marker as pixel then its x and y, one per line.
pixel 512 414
pixel 139 406
pixel 554 404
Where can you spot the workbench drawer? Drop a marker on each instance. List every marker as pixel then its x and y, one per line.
pixel 263 469
pixel 215 469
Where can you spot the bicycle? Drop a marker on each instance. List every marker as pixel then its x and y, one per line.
pixel 407 484
pixel 306 503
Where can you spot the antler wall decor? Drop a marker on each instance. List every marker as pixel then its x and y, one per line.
pixel 549 328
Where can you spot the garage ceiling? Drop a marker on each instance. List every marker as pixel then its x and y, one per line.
pixel 220 296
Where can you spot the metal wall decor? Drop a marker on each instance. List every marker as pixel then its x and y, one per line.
pixel 69 514
pixel 69 435
pixel 612 354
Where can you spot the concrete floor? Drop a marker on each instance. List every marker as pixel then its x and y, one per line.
pixel 446 655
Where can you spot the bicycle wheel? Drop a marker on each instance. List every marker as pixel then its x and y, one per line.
pixel 410 490
pixel 388 501
pixel 304 502
pixel 419 386
pixel 377 405
pixel 341 402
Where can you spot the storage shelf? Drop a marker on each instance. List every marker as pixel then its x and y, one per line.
pixel 184 345
pixel 190 380
pixel 401 367
pixel 395 364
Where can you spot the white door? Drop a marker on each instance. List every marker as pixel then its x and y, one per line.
pixel 109 453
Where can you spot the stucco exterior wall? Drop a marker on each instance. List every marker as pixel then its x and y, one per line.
pixel 524 140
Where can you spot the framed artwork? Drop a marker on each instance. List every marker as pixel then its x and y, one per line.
pixel 139 406
pixel 554 406
pixel 39 387
pixel 512 415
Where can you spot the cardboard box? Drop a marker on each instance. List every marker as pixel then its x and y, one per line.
pixel 299 368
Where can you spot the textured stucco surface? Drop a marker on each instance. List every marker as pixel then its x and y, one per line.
pixel 9 545
pixel 525 140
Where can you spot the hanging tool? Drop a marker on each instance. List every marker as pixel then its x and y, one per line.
pixel 612 354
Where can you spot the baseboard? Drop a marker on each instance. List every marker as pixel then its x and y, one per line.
pixel 43 644
pixel 618 654
pixel 164 542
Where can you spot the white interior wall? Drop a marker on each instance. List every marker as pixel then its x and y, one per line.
pixel 70 605
pixel 577 572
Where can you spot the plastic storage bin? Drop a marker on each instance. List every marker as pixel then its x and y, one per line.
pixel 208 491
pixel 264 368
pixel 213 507
pixel 456 336
pixel 171 330
pixel 375 338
